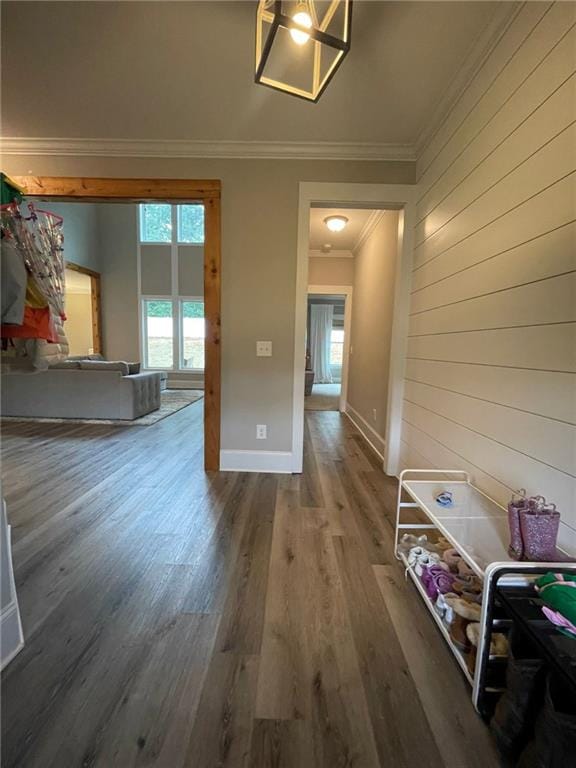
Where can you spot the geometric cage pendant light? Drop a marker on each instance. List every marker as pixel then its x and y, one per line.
pixel 301 43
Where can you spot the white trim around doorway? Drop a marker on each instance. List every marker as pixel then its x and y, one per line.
pixel 385 196
pixel 346 291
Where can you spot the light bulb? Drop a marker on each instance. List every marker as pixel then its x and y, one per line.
pixel 303 18
pixel 336 223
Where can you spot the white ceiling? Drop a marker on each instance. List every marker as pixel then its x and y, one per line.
pixel 185 70
pixel 341 241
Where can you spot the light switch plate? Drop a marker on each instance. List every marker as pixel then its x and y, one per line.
pixel 263 349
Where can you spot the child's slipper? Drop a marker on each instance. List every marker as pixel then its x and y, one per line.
pixel 457 631
pixel 469 611
pixel 464 569
pixel 452 557
pixel 498 641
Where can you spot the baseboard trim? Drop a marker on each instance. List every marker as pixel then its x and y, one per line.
pixel 256 461
pixel 374 440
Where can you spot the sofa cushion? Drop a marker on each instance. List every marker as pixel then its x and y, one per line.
pixel 66 365
pixel 105 365
pixel 80 358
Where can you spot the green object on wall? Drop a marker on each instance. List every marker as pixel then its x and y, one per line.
pixel 8 192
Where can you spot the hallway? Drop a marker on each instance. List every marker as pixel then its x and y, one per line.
pixel 174 618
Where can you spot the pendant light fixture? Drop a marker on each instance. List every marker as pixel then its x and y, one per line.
pixel 300 45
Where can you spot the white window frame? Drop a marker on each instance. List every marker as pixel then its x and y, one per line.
pixel 337 365
pixel 181 334
pixel 184 242
pixel 139 226
pixel 144 331
pixel 174 297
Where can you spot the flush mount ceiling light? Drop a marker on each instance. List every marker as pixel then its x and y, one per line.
pixel 300 45
pixel 335 223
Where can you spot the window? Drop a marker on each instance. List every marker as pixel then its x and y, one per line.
pixel 336 346
pixel 158 333
pixel 191 224
pixel 155 223
pixel 192 335
pixel 172 323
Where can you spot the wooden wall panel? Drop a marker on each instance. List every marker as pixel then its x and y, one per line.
pixel 545 123
pixel 517 57
pixel 530 99
pixel 554 298
pixel 491 370
pixel 545 256
pixel 544 393
pixel 547 440
pixel 548 210
pixel 553 162
pixel 542 348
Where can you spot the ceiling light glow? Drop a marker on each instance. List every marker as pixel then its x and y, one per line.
pixel 303 18
pixel 336 223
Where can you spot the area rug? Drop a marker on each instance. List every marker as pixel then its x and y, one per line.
pixel 171 401
pixel 324 397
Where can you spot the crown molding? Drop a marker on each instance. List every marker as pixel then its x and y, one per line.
pixel 335 254
pixel 503 16
pixel 371 223
pixel 182 148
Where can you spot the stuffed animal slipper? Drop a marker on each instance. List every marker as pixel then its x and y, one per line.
pixel 461 607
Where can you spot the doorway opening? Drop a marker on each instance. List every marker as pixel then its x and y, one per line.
pixel 392 208
pixel 161 192
pixel 327 334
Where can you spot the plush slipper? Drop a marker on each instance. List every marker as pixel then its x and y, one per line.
pixel 464 569
pixel 470 597
pixel 458 634
pixel 498 641
pixel 442 544
pixel 471 660
pixel 452 557
pixel 469 611
pixel 435 579
pixel 467 583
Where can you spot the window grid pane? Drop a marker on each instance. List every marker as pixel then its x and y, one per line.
pixel 159 333
pixel 191 224
pixel 155 223
pixel 193 332
pixel 336 346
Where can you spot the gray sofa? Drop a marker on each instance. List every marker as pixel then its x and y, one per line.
pixel 74 393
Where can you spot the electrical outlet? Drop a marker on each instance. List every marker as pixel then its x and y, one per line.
pixel 263 349
pixel 261 431
pixel 374 413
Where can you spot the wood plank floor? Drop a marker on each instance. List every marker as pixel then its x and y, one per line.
pixel 175 618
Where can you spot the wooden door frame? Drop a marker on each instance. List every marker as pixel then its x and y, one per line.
pixel 82 189
pixel 95 299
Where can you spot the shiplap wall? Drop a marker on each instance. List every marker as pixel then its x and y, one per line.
pixel 491 370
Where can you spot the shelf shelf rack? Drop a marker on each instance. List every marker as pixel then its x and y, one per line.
pixel 477 527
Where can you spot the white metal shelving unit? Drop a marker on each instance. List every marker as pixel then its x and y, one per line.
pixel 477 527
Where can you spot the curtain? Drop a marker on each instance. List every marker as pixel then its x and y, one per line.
pixel 320 331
